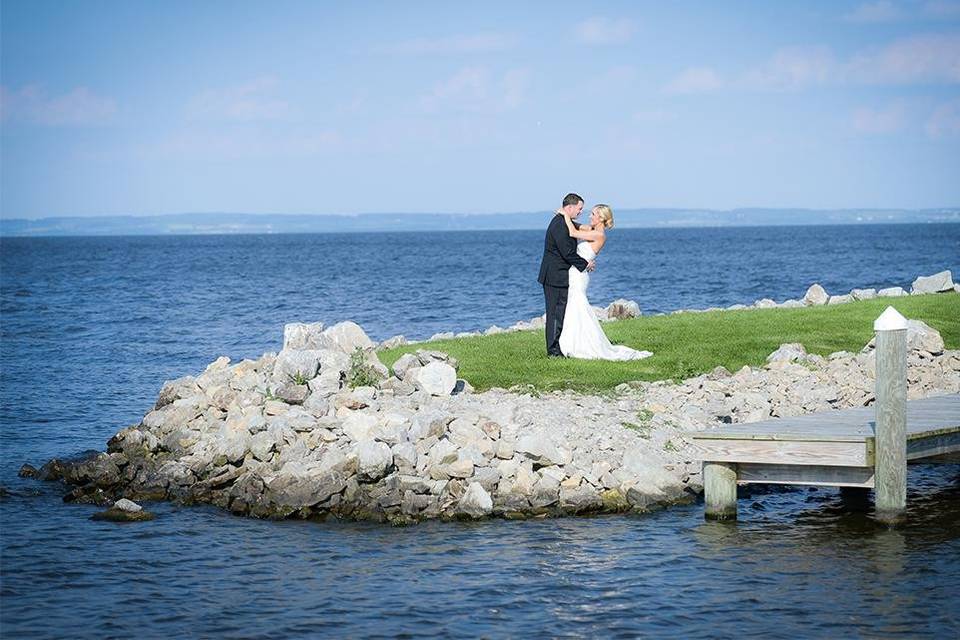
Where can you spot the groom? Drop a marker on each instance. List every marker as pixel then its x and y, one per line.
pixel 559 254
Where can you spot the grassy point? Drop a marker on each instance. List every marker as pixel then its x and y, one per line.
pixel 684 345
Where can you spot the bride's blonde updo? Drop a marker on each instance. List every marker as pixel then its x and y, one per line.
pixel 606 215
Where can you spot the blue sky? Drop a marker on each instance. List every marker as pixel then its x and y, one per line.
pixel 312 107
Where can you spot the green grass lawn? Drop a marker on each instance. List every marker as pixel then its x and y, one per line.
pixel 685 345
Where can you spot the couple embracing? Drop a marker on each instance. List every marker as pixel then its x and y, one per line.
pixel 569 255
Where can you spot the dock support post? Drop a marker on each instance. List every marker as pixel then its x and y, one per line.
pixel 720 491
pixel 890 465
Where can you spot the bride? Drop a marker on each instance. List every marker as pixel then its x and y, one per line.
pixel 582 336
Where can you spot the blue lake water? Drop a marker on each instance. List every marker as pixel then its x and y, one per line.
pixel 91 327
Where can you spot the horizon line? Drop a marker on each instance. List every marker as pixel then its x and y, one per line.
pixel 450 213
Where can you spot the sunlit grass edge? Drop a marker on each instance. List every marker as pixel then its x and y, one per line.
pixel 684 345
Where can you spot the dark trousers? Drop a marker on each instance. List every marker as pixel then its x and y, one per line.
pixel 556 301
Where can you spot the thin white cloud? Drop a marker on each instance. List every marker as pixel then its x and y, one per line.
pixel 879 121
pixel 488 42
pixel 246 143
pixel 944 122
pixel 942 9
pixel 247 102
pixel 931 58
pixel 918 59
pixel 477 89
pixel 695 80
pixel 654 116
pixel 793 68
pixel 79 107
pixel 874 12
pixel 604 31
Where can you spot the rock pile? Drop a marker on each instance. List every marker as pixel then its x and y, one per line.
pixel 324 429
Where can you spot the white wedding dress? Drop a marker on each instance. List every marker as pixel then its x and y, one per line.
pixel 582 336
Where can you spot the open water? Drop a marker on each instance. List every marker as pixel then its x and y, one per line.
pixel 91 327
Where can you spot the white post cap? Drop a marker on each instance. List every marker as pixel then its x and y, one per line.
pixel 890 320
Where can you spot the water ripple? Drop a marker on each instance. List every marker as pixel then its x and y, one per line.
pixel 93 326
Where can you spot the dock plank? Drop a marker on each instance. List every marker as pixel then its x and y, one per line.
pixel 937 413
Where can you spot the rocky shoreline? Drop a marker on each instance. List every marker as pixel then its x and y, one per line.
pixel 324 429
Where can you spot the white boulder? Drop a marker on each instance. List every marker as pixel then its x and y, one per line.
pixel 621 308
pixel 127 505
pixel 374 459
pixel 296 363
pixel 891 292
pixel 476 502
pixel 788 352
pixel 437 379
pixel 815 295
pixel 302 335
pixel 347 336
pixel 936 283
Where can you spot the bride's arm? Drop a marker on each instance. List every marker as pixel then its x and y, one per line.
pixel 585 232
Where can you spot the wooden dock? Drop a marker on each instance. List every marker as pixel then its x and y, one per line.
pixel 864 448
pixel 833 448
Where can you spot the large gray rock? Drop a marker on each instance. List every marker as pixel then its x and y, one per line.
pixel 263 444
pixel 920 337
pixel 347 336
pixel 864 294
pixel 923 337
pixel 405 456
pixel 437 379
pixel 788 353
pixel 427 356
pixel 891 292
pixel 844 299
pixel 296 364
pixel 541 450
pixel 293 393
pixel 391 343
pixel 232 443
pixel 475 502
pixel 176 389
pixel 115 514
pixel 127 505
pixel 299 336
pixel 374 460
pixel 404 363
pixel 359 426
pixel 936 283
pixel 621 308
pixel 815 295
pixel 307 487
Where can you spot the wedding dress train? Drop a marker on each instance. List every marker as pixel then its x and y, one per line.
pixel 582 336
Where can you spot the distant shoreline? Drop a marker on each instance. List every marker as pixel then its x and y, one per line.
pixel 268 224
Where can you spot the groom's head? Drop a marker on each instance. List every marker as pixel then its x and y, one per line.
pixel 572 204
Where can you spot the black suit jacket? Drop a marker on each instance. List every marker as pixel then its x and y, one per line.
pixel 559 254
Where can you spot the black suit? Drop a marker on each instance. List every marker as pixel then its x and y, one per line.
pixel 559 254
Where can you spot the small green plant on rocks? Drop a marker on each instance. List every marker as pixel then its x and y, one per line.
pixel 642 426
pixel 298 378
pixel 643 430
pixel 360 373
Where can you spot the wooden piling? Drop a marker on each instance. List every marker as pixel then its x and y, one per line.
pixel 890 464
pixel 720 491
